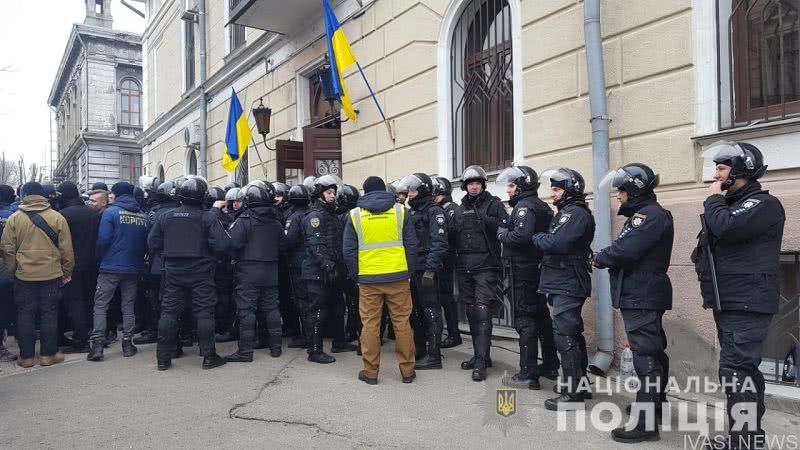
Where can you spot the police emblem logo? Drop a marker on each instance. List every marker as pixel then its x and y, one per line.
pixel 637 220
pixel 506 402
pixel 315 222
pixel 522 212
pixel 750 203
pixel 563 219
pixel 440 219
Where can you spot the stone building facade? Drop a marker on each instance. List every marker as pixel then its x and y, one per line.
pixel 97 100
pixel 669 76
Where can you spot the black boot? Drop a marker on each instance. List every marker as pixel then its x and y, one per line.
pixel 315 353
pixel 482 341
pixel 213 361
pixel 420 337
pixel 527 376
pixel 228 336
pixel 128 349
pixel 433 321
pixel 470 364
pixel 147 337
pixel 639 432
pixel 164 364
pixel 571 397
pixel 76 347
pixel 451 319
pixel 239 357
pixel 96 353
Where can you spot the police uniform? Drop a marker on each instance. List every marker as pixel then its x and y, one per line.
pixel 288 310
pixel 478 269
pixel 566 280
pixel 638 261
pixel 323 270
pixel 295 250
pixel 224 278
pixel 256 240
pixel 745 230
pixel 530 215
pixel 155 269
pixel 189 240
pixel 447 275
pixel 430 227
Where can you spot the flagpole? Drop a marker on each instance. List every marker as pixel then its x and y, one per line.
pixel 380 110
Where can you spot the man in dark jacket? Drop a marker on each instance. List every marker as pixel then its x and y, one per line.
pixel 430 225
pixel 566 279
pixel 256 242
pixel 380 246
pixel 121 245
pixel 299 198
pixel 521 259
pixel 83 224
pixel 743 232
pixel 442 194
pixel 190 239
pixel 638 261
pixel 478 264
pixel 323 269
pixel 346 200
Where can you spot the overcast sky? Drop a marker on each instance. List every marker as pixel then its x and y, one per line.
pixel 33 36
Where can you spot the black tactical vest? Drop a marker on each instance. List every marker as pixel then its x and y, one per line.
pixel 184 234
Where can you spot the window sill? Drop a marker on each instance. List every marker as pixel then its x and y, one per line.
pixel 749 132
pixel 234 53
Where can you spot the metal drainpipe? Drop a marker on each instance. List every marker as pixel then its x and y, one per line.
pixel 600 156
pixel 201 13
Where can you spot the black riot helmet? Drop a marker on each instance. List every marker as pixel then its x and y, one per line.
pixel 193 190
pixel 214 194
pixel 442 186
pixel 166 191
pixel 231 185
pixel 281 189
pixel 149 185
pixel 326 182
pixel 259 194
pixel 567 179
pixel 634 179
pixel 417 182
pixel 299 195
pixel 523 177
pixel 473 173
pixel 744 159
pixel 390 188
pixel 347 197
pixel 139 196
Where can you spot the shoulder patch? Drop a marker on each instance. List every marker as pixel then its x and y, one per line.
pixel 288 224
pixel 746 205
pixel 522 211
pixel 315 222
pixel 564 219
pixel 637 220
pixel 440 219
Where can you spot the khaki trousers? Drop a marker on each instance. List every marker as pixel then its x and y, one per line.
pixel 397 297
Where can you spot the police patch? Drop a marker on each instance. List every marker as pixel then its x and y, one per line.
pixel 440 219
pixel 637 220
pixel 747 205
pixel 564 219
pixel 522 212
pixel 315 222
pixel 288 224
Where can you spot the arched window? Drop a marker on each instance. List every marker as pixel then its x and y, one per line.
pixel 161 175
pixel 130 95
pixel 482 86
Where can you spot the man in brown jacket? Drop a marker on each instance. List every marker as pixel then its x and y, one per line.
pixel 37 248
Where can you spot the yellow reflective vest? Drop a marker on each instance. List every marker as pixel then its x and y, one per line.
pixel 380 241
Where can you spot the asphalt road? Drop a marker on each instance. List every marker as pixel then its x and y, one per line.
pixel 284 402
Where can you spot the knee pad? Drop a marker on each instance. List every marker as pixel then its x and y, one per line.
pixel 736 380
pixel 565 343
pixel 523 326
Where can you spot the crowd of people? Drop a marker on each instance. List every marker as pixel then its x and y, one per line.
pixel 176 262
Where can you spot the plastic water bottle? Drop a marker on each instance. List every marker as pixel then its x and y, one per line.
pixel 626 365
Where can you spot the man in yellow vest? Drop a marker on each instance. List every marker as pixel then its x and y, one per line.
pixel 379 247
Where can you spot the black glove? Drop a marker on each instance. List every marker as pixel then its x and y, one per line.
pixel 501 234
pixel 428 279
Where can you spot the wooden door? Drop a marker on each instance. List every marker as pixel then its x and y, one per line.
pixel 289 160
pixel 322 151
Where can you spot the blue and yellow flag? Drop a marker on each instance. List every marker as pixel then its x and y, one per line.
pixel 237 135
pixel 341 57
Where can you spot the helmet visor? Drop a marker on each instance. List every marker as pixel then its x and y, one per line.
pixel 613 180
pixel 409 183
pixel 722 151
pixel 510 175
pixel 233 194
pixel 473 172
pixel 329 181
pixel 557 174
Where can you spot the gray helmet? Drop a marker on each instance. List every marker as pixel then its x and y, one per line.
pixel 473 173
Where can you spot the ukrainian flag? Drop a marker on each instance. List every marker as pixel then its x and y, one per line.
pixel 237 135
pixel 341 57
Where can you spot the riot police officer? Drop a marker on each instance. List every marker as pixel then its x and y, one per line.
pixel 289 313
pixel 299 198
pixel 233 203
pixel 164 200
pixel 737 262
pixel 189 240
pixel 638 261
pixel 521 259
pixel 430 226
pixel 566 279
pixel 442 194
pixel 478 264
pixel 256 240
pixel 323 269
pixel 346 199
pixel 223 273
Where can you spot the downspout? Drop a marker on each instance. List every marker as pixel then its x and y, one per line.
pixel 600 157
pixel 201 13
